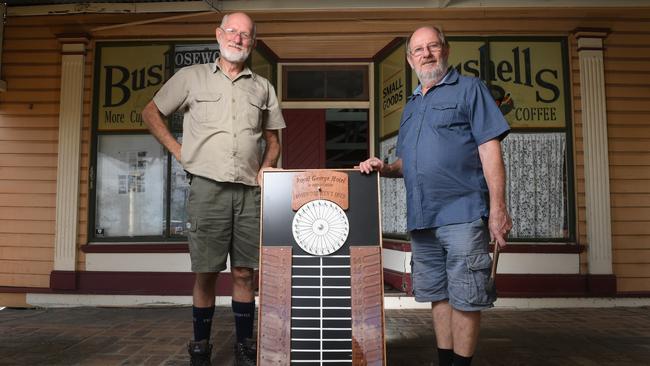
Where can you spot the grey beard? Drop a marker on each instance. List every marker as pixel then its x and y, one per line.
pixel 427 78
pixel 234 57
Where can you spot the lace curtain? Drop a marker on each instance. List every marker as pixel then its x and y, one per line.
pixel 535 187
pixel 535 184
pixel 393 195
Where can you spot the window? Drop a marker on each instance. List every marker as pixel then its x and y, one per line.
pixel 528 78
pixel 138 190
pixel 303 83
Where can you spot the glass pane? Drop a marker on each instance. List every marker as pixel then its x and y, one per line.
pixel 305 85
pixel 346 133
pixel 180 191
pixel 325 82
pixel 130 186
pixel 536 185
pixel 345 84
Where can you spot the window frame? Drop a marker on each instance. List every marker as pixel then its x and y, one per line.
pixel 325 67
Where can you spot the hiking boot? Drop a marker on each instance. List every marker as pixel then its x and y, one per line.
pixel 246 353
pixel 200 353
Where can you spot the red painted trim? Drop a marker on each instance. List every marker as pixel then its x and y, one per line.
pixel 601 285
pixel 512 248
pixel 24 290
pixel 399 246
pixel 181 247
pixel 63 280
pixel 530 285
pixel 541 248
pixel 399 281
pixel 541 285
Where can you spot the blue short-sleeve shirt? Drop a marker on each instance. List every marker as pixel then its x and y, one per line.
pixel 438 143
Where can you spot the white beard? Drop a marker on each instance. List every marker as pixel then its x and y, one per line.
pixel 234 57
pixel 427 78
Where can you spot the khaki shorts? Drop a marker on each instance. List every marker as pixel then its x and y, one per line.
pixel 224 218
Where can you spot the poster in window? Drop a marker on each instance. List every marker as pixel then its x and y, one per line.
pixel 130 186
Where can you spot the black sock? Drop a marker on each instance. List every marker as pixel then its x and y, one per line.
pixel 462 361
pixel 202 321
pixel 445 357
pixel 244 318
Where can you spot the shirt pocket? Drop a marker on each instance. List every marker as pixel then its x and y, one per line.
pixel 254 109
pixel 444 113
pixel 206 107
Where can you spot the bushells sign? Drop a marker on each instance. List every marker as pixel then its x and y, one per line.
pixel 130 74
pixel 527 77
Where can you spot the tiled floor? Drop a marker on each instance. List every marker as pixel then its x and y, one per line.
pixel 157 336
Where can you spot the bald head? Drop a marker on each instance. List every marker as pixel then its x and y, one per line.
pixel 239 18
pixel 426 31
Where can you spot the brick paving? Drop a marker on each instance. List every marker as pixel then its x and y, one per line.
pixel 157 336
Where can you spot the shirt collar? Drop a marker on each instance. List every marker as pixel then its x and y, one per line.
pixel 245 71
pixel 450 77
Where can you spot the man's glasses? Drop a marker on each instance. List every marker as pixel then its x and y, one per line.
pixel 233 32
pixel 432 47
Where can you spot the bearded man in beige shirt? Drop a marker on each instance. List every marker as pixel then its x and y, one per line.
pixel 231 129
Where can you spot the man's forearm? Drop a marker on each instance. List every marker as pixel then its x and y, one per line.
pixel 272 150
pixel 154 121
pixel 494 171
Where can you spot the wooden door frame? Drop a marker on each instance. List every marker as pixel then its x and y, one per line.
pixel 369 105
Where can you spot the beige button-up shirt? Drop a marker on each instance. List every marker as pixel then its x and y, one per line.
pixel 223 120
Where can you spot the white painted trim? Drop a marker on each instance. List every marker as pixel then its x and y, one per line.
pixel 141 262
pixel 301 5
pixel 390 302
pixel 509 263
pixel 596 160
pixel 539 263
pixel 397 260
pixel 68 157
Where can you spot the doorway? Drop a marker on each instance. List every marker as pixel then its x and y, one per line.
pixel 331 138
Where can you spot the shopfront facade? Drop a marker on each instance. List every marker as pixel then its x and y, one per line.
pixel 92 206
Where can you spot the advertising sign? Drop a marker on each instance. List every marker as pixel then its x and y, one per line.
pixel 392 79
pixel 128 78
pixel 526 78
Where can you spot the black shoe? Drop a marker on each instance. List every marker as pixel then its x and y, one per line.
pixel 200 353
pixel 246 353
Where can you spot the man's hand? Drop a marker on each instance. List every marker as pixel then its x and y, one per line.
pixel 177 153
pixel 500 225
pixel 260 174
pixel 156 124
pixel 370 165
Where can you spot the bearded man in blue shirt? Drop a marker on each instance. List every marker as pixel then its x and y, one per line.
pixel 449 153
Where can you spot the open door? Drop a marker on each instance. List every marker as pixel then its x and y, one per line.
pixel 303 141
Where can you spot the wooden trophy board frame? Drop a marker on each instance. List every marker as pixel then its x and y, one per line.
pixel 321 309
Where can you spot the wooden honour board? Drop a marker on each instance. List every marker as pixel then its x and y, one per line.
pixel 321 310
